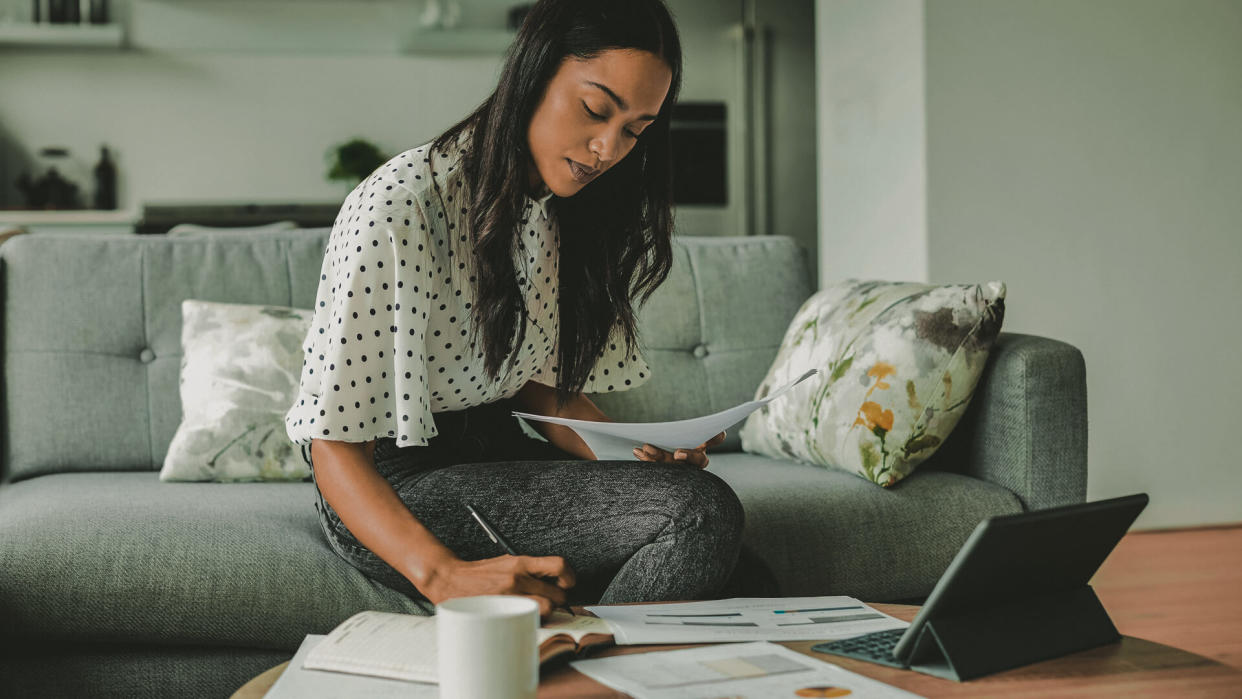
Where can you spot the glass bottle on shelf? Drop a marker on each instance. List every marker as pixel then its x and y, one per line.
pixel 99 11
pixel 57 11
pixel 105 181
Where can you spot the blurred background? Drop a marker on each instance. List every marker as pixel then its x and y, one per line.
pixel 247 103
pixel 1085 152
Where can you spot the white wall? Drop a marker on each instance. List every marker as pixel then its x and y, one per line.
pixel 872 173
pixel 1088 153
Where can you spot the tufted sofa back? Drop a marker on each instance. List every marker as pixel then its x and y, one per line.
pixel 92 333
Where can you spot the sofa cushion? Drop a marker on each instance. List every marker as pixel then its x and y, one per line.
pixel 828 532
pixel 898 363
pixel 124 556
pixel 239 374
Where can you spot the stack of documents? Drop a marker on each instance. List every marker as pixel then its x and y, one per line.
pixel 745 619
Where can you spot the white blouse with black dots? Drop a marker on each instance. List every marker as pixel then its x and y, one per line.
pixel 387 345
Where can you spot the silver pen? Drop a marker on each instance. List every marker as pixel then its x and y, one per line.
pixel 496 536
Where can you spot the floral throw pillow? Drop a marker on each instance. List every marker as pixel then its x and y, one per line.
pixel 898 363
pixel 240 366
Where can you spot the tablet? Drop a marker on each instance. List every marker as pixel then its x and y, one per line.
pixel 1028 554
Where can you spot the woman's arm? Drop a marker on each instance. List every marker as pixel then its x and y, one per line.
pixel 371 510
pixel 537 398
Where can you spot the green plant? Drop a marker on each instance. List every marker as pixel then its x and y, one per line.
pixel 353 160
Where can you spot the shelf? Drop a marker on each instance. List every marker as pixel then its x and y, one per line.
pixel 197 27
pixel 67 216
pixel 27 34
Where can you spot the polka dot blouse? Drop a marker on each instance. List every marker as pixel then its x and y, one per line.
pixel 387 347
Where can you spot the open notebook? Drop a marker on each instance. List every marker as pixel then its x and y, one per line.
pixel 403 646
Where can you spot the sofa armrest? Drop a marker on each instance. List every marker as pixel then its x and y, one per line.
pixel 1026 427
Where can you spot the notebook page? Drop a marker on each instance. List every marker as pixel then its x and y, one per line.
pixel 575 626
pixel 382 644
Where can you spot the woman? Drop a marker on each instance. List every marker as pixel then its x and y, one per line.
pixel 444 254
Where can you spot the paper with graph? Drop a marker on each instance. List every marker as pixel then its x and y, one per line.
pixel 827 618
pixel 615 441
pixel 758 670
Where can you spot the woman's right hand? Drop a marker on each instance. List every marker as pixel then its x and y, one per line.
pixel 503 575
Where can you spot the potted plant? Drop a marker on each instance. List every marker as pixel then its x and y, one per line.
pixel 352 161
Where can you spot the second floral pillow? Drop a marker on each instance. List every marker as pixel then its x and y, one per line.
pixel 898 363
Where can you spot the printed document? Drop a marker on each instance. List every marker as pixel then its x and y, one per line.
pixel 757 670
pixel 744 619
pixel 615 441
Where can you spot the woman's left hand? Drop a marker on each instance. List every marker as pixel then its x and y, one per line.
pixel 696 456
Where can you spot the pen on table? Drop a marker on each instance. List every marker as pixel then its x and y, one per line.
pixel 494 535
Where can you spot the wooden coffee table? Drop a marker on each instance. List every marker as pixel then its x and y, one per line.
pixel 1133 667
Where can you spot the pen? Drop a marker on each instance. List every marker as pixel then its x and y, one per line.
pixel 495 535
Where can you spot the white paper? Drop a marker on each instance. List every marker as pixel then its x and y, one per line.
pixel 615 441
pixel 756 670
pixel 383 644
pixel 745 619
pixel 297 682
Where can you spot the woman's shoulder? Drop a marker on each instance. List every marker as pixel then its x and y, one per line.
pixel 410 170
pixel 430 174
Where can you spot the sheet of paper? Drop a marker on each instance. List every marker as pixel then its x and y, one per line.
pixel 614 441
pixel 745 619
pixel 756 670
pixel 384 644
pixel 299 683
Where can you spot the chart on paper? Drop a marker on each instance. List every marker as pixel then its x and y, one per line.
pixel 745 619
pixel 758 670
pixel 671 672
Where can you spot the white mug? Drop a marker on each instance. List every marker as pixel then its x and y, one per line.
pixel 486 647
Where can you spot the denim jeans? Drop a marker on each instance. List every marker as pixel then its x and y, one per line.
pixel 631 530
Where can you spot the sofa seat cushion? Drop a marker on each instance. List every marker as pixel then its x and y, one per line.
pixel 824 531
pixel 124 556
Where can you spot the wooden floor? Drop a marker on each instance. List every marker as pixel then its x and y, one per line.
pixel 1182 588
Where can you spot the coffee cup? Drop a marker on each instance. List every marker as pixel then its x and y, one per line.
pixel 486 647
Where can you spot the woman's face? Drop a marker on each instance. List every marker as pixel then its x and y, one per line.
pixel 624 88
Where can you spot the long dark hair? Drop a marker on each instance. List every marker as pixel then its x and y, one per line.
pixel 615 242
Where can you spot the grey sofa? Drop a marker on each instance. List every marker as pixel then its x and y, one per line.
pixel 113 583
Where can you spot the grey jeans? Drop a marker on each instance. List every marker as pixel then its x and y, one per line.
pixel 631 530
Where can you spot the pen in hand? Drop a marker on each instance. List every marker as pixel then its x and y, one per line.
pixel 494 535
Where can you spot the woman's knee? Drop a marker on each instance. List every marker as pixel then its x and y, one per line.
pixel 704 496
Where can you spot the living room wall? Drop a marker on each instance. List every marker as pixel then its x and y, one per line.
pixel 1087 153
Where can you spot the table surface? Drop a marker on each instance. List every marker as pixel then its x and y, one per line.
pixel 1133 667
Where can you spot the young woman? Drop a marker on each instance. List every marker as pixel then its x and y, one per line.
pixel 494 269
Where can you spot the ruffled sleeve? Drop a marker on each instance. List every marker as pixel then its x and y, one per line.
pixel 617 370
pixel 372 306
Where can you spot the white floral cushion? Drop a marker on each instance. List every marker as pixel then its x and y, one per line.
pixel 240 366
pixel 898 363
